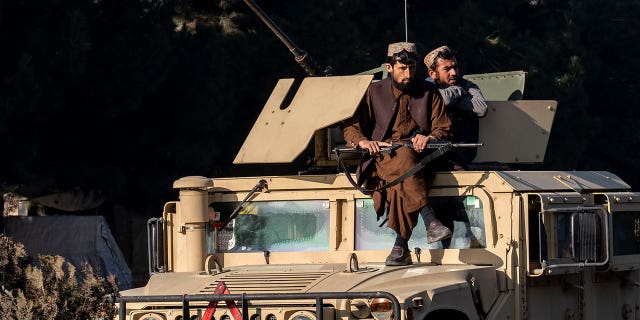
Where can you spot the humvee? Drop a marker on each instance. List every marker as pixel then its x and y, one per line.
pixel 525 244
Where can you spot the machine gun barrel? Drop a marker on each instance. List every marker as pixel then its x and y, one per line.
pixel 302 57
pixel 430 145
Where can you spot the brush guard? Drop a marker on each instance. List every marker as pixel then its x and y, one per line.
pixel 245 299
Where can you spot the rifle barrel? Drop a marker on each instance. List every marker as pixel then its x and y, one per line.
pixel 438 144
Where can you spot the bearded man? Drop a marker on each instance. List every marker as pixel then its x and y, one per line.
pixel 395 109
pixel 463 102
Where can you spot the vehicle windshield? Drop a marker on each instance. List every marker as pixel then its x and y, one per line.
pixel 296 225
pixel 464 215
pixel 303 225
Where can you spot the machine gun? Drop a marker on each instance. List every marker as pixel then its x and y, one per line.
pixel 310 66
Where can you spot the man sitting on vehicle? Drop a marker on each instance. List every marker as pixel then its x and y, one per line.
pixel 463 102
pixel 400 108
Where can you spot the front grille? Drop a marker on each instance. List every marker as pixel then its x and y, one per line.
pixel 267 282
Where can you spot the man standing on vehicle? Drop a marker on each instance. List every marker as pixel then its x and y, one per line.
pixel 463 101
pixel 400 108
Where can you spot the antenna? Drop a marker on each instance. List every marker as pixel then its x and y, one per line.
pixel 406 28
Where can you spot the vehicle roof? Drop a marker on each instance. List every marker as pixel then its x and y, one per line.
pixel 497 181
pixel 562 180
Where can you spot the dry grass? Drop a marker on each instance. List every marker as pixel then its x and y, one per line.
pixel 50 288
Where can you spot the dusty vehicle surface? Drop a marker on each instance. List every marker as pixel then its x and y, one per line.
pixel 525 245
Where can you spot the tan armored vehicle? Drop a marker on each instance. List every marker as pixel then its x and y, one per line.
pixel 525 245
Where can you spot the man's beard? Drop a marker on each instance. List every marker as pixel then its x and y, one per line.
pixel 446 84
pixel 404 87
pixel 441 84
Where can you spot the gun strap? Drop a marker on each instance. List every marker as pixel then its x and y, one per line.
pixel 419 166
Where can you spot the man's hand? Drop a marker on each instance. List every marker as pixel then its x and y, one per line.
pixel 373 146
pixel 420 142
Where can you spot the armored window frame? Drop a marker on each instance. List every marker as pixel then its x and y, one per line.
pixel 620 206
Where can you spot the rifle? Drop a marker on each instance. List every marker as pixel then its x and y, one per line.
pixel 395 145
pixel 441 147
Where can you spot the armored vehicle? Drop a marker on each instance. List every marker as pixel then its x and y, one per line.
pixel 525 244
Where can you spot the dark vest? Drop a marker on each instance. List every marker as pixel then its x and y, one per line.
pixel 384 107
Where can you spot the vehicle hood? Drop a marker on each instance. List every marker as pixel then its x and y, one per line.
pixel 425 280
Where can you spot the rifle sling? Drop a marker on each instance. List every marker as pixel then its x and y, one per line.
pixel 419 166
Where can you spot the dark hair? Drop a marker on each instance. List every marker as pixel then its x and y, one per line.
pixel 403 56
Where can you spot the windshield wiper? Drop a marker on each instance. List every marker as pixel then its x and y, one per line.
pixel 262 184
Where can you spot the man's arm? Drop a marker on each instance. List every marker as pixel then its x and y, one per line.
pixel 451 94
pixel 440 121
pixel 478 105
pixel 356 127
pixel 467 98
pixel 440 124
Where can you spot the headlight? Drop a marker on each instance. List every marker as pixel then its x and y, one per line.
pixel 360 309
pixel 382 309
pixel 303 315
pixel 148 316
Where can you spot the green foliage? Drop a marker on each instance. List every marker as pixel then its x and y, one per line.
pixel 50 288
